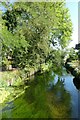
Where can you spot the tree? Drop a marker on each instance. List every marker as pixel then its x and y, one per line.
pixel 35 27
pixel 14 46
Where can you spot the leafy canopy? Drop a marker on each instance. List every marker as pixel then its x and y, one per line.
pixel 32 28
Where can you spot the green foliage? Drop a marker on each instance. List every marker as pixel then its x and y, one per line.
pixel 31 28
pixel 10 18
pixel 73 54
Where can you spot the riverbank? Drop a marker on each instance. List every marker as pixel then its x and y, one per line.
pixel 14 82
pixel 10 85
pixel 74 68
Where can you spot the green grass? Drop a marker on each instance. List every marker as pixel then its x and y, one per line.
pixel 10 91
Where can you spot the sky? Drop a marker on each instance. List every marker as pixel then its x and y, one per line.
pixel 73 9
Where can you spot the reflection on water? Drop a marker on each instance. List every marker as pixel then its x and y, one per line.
pixel 50 95
pixel 76 82
pixel 59 100
pixel 57 92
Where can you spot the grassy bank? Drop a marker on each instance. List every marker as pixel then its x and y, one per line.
pixel 7 90
pixel 12 83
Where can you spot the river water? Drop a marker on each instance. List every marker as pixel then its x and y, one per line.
pixel 50 95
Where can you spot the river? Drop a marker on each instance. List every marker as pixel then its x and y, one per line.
pixel 50 95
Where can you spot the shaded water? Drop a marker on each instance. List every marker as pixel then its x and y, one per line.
pixel 50 95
